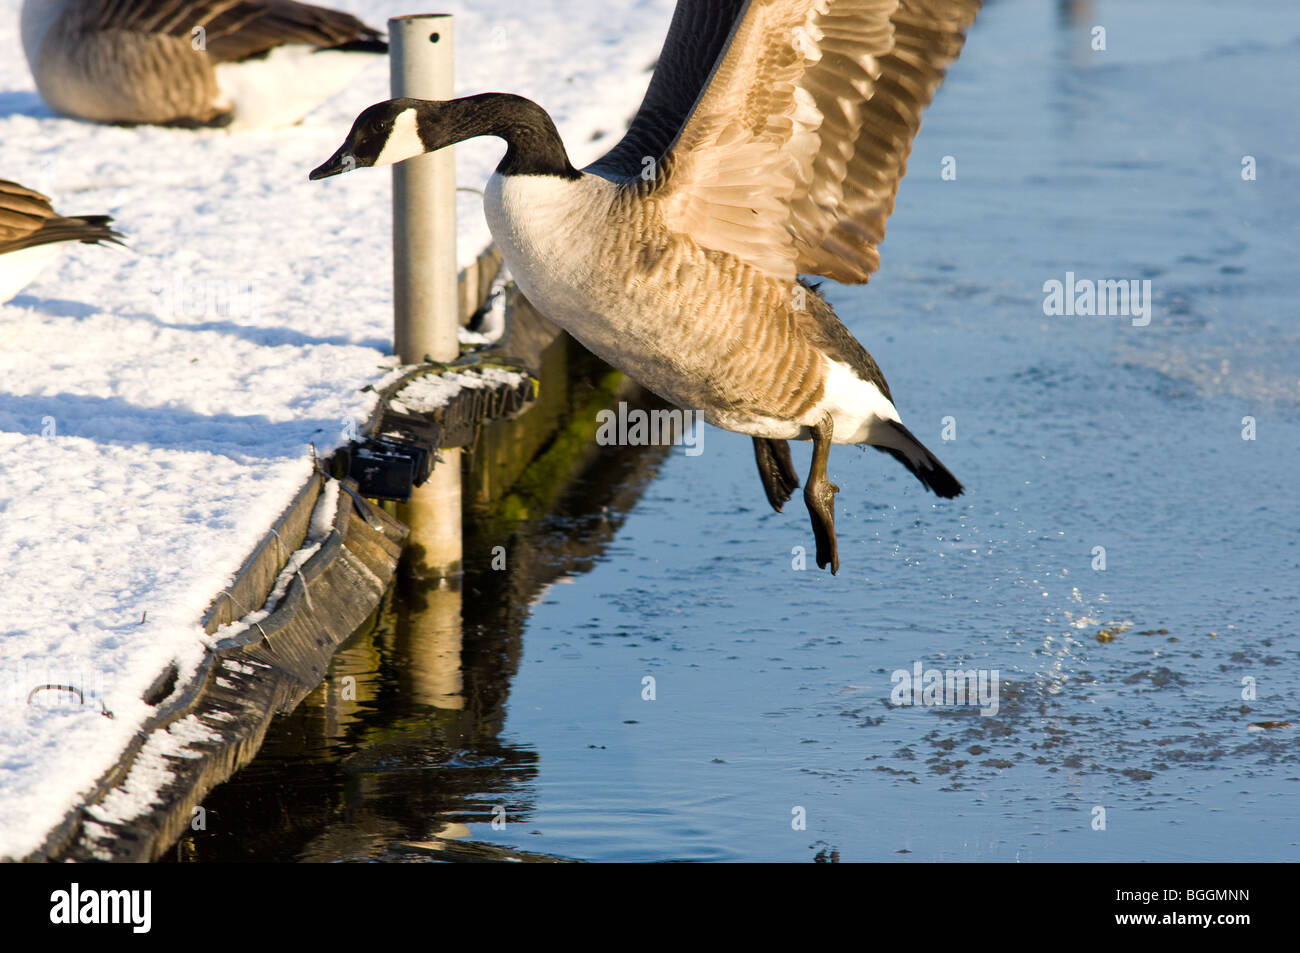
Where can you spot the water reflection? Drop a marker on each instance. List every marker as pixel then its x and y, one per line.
pixel 400 750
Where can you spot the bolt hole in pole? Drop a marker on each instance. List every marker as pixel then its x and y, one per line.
pixel 426 315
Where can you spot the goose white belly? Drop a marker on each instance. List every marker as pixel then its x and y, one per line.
pixel 19 268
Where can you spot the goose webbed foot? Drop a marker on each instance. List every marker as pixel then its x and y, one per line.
pixel 819 494
pixel 776 470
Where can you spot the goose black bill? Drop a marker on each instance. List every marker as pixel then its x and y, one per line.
pixel 341 161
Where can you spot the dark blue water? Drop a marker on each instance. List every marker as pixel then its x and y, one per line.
pixel 772 685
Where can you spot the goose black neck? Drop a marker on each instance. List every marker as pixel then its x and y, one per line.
pixel 533 145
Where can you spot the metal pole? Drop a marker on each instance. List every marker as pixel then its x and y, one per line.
pixel 426 309
pixel 425 305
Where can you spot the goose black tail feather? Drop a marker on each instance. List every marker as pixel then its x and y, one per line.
pixel 95 229
pixel 925 466
pixel 92 229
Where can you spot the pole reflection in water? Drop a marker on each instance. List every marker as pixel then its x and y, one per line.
pixel 432 638
pixel 400 751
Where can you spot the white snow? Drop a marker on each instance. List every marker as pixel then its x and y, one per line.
pixel 157 402
pixel 432 391
pixel 150 771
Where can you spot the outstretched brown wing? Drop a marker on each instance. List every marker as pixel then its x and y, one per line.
pixel 798 129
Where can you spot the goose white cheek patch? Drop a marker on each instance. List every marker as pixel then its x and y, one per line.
pixel 403 142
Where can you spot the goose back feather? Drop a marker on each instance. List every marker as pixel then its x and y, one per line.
pixel 159 61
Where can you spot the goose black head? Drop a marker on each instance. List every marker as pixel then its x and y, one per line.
pixel 404 128
pixel 386 133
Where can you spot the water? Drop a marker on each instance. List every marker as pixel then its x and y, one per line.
pixel 1121 690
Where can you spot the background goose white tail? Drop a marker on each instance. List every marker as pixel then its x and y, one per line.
pixel 925 466
pixel 280 87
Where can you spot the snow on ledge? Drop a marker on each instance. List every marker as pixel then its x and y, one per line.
pixel 430 392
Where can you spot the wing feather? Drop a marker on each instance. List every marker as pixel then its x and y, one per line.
pixel 779 130
pixel 27 219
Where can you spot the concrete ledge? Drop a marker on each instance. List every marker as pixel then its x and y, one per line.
pixel 256 576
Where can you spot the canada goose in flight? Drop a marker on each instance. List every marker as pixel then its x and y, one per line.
pixel 246 63
pixel 31 235
pixel 770 145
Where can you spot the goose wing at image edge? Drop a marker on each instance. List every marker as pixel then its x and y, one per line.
pixel 27 219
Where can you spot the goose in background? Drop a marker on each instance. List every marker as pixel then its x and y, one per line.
pixel 249 64
pixel 769 145
pixel 31 235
